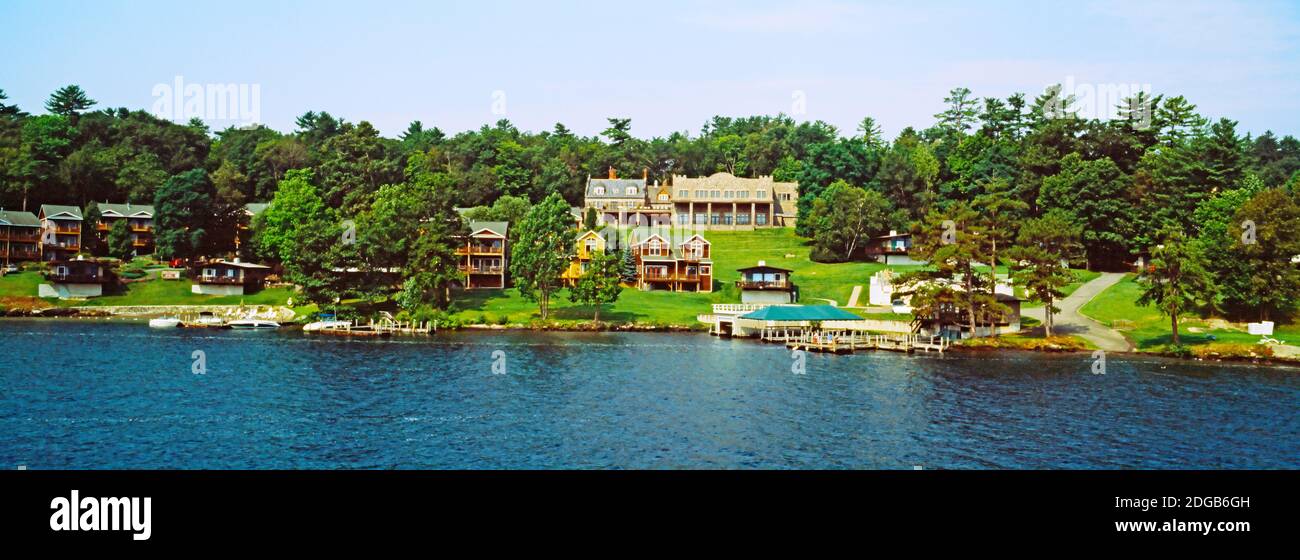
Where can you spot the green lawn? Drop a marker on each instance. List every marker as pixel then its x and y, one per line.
pixel 1148 329
pixel 154 292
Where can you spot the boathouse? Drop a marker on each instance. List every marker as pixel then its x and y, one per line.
pixel 228 278
pixel 75 278
pixel 766 284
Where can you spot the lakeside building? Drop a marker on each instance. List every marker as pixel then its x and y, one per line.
pixel 20 236
pixel 587 245
pixel 628 202
pixel 139 219
pixel 766 284
pixel 949 322
pixel 228 278
pixel 688 267
pixel 75 278
pixel 60 232
pixel 892 248
pixel 484 255
pixel 723 201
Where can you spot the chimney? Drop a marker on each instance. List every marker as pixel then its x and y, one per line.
pixel 612 174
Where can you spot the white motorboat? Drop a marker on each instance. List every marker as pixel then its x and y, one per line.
pixel 253 324
pixel 326 325
pixel 207 319
pixel 164 323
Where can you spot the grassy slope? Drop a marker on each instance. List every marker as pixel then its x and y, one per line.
pixel 1151 330
pixel 154 292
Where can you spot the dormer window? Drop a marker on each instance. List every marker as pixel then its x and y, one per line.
pixel 599 190
pixel 631 190
pixel 663 197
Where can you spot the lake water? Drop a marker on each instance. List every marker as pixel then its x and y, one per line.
pixel 92 395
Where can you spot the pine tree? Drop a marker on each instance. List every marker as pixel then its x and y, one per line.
pixel 627 267
pixel 69 101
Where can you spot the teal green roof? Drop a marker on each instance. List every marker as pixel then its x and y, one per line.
pixel 801 313
pixel 11 218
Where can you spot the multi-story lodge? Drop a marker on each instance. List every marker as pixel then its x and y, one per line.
pixel 685 268
pixel 20 236
pixel 628 202
pixel 724 201
pixel 139 220
pixel 587 245
pixel 484 255
pixel 60 232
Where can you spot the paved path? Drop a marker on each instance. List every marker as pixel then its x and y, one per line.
pixel 1070 321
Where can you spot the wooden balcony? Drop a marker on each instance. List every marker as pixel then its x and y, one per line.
pixel 480 250
pixel 223 280
pixel 19 238
pixel 141 229
pixel 76 278
pixel 18 253
pixel 69 230
pixel 481 269
pixel 671 277
pixel 140 243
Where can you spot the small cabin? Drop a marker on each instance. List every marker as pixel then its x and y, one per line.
pixel 766 284
pixel 228 278
pixel 75 278
pixel 892 248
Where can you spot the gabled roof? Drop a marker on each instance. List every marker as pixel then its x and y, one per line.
pixel 497 228
pixel 24 219
pixel 127 210
pixel 688 240
pixel 617 188
pixel 60 212
pixel 589 233
pixel 647 240
pixel 244 265
pixel 801 313
pixel 764 268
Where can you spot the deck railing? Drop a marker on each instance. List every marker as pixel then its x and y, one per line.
pixel 764 285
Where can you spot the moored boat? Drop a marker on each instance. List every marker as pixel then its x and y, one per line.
pixel 164 323
pixel 253 324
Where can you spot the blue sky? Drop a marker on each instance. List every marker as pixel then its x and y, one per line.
pixel 667 65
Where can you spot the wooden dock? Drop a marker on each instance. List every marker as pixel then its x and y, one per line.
pixel 848 342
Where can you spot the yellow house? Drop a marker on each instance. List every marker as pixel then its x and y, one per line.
pixel 587 244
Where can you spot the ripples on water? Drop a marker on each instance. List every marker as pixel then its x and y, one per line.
pixel 77 394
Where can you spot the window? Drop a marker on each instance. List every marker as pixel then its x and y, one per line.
pixel 591 246
pixel 760 220
pixel 663 197
pixel 697 249
pixel 713 194
pixel 598 190
pixel 631 190
pixel 761 194
pixel 713 219
pixel 682 193
pixel 701 219
pixel 654 246
pixel 743 194
pixel 742 219
pixel 704 269
pixel 683 219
